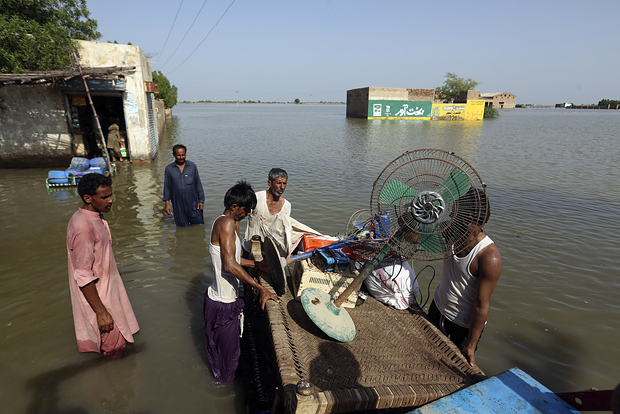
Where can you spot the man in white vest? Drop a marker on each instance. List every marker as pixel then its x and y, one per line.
pixel 461 302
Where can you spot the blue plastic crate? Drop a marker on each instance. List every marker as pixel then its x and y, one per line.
pixel 79 163
pixel 57 177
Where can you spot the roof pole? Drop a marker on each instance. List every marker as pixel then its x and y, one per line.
pixel 90 100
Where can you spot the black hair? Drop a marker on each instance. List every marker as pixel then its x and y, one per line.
pixel 89 184
pixel 242 195
pixel 476 202
pixel 178 146
pixel 277 172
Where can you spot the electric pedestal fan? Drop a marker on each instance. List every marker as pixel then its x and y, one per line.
pixel 421 205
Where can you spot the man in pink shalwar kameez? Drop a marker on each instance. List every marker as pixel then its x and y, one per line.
pixel 102 314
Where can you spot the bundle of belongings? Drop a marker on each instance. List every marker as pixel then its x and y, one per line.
pixel 393 282
pixel 287 233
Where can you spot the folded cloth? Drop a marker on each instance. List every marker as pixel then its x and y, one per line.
pixel 286 232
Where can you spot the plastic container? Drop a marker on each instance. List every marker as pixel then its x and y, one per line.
pixel 79 163
pixel 73 172
pixel 98 162
pixel 381 225
pixel 57 177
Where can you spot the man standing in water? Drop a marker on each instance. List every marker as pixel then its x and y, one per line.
pixel 222 306
pixel 103 318
pixel 182 186
pixel 462 300
pixel 268 203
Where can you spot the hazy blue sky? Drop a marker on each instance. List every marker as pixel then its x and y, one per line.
pixel 543 51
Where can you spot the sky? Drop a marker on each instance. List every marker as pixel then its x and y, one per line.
pixel 543 51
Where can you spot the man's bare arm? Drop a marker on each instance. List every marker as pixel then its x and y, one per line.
pixel 489 270
pixel 104 319
pixel 226 234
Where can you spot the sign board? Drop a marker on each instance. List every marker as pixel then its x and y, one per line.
pixel 472 110
pixel 389 109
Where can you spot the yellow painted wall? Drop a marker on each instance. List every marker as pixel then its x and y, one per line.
pixel 473 110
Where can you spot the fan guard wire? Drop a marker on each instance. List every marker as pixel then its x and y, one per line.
pixel 420 173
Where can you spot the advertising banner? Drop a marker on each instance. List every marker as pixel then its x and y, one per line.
pixel 399 109
pixel 472 110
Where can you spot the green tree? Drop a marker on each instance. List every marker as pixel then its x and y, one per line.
pixel 452 87
pixel 490 112
pixel 167 92
pixel 38 35
pixel 297 101
pixel 604 102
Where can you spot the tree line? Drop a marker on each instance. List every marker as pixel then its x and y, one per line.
pixel 41 35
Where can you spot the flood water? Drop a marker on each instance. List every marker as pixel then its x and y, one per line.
pixel 552 178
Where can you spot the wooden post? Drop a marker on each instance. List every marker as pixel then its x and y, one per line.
pixel 90 100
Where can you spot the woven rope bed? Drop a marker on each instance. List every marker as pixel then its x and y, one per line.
pixel 397 359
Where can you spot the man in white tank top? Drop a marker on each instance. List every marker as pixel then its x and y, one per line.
pixel 268 203
pixel 461 302
pixel 222 306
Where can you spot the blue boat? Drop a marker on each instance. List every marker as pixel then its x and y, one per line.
pixel 512 391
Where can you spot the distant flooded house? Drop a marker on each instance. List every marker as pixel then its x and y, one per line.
pixel 45 115
pixel 499 100
pixel 411 104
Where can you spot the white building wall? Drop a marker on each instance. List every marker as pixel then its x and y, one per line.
pixel 34 128
pixel 98 54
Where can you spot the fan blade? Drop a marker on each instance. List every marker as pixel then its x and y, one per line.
pixel 455 186
pixel 394 191
pixel 432 243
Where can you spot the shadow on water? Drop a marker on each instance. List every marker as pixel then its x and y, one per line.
pixel 46 388
pixel 194 301
pixel 110 384
pixel 188 251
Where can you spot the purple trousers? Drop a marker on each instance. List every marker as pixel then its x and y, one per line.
pixel 222 337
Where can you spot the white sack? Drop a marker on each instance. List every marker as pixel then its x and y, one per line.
pixel 393 283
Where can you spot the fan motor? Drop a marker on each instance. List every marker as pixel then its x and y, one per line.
pixel 427 207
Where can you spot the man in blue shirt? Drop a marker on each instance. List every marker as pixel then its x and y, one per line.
pixel 183 188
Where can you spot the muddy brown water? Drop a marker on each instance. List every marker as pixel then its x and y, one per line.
pixel 552 177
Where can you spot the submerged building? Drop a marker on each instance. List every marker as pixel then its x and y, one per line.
pixel 500 100
pixel 45 115
pixel 402 103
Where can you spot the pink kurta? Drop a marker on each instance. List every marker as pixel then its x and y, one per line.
pixel 89 247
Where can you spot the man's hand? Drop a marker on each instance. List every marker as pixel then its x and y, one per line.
pixel 201 206
pixel 105 321
pixel 468 352
pixel 265 295
pixel 168 208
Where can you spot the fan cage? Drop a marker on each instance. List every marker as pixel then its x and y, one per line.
pixel 425 174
